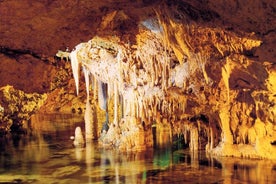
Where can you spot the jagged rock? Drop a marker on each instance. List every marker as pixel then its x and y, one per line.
pixel 17 106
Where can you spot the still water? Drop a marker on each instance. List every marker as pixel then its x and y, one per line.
pixel 45 154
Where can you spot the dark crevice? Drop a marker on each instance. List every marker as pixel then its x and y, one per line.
pixel 269 31
pixel 184 9
pixel 200 117
pixel 15 53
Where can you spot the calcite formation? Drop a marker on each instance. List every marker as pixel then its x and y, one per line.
pixel 203 69
pixel 204 81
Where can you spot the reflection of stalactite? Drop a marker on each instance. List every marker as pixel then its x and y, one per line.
pixel 89 156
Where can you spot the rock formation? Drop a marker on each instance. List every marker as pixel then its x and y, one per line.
pixel 206 69
pixel 16 106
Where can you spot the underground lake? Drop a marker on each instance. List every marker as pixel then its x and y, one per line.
pixel 45 154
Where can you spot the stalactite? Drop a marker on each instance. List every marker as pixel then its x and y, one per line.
pixel 155 108
pixel 212 138
pixel 164 77
pixel 125 104
pixel 140 106
pixel 168 84
pixel 198 125
pixel 145 112
pixel 152 74
pixel 140 102
pixel 185 135
pixel 110 90
pixel 193 139
pixel 136 109
pixel 135 76
pixel 102 95
pixel 122 106
pixel 201 61
pixel 95 88
pixel 116 96
pixel 75 68
pixel 86 77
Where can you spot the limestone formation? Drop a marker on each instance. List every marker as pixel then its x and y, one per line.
pixel 166 73
pixel 78 139
pixel 204 69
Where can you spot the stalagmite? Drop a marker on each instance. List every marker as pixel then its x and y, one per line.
pixel 259 128
pixel 210 144
pixel 252 135
pixel 79 141
pixel 95 88
pixel 225 76
pixel 242 134
pixel 88 119
pixel 225 125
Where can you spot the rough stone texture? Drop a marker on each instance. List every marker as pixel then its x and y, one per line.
pixel 219 81
pixel 16 106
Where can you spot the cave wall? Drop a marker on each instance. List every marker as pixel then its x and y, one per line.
pixel 217 80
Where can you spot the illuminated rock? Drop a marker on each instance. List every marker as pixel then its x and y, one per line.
pixel 201 69
pixel 16 106
pixel 168 74
pixel 79 140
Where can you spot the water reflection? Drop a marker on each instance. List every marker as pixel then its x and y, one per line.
pixel 46 155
